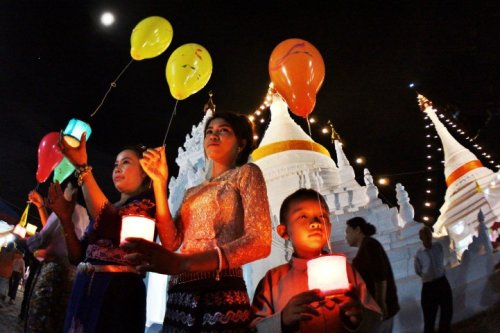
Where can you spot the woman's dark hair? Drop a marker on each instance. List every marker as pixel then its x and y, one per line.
pixel 366 228
pixel 138 150
pixel 300 194
pixel 242 128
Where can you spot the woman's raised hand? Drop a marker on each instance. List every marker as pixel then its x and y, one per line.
pixel 152 257
pixel 76 155
pixel 35 198
pixel 154 164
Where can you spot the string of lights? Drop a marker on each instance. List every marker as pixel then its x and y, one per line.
pixel 435 152
pixel 257 116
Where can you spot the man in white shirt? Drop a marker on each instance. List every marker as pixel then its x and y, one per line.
pixel 436 291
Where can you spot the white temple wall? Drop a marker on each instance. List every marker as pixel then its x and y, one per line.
pixel 461 221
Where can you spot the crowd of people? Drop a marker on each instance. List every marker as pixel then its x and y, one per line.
pixel 88 280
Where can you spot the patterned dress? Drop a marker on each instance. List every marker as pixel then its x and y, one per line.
pixel 232 212
pixel 105 301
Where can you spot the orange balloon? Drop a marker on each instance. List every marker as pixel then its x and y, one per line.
pixel 297 71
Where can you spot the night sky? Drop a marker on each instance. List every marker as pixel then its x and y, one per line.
pixel 57 61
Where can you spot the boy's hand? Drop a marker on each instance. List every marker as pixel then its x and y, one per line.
pixel 350 307
pixel 299 308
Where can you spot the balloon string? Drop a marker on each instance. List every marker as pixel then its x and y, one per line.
pixel 319 201
pixel 170 122
pixel 37 186
pixel 111 86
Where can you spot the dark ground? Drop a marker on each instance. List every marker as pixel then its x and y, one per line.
pixel 486 322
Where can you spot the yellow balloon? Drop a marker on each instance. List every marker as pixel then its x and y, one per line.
pixel 150 38
pixel 188 70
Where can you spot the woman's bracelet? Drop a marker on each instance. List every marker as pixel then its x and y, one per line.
pixel 219 263
pixel 81 172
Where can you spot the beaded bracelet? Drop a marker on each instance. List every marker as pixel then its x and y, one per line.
pixel 219 263
pixel 81 172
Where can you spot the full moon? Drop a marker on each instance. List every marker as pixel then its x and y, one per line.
pixel 107 19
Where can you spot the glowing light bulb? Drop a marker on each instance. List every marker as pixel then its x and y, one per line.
pixel 360 160
pixel 383 181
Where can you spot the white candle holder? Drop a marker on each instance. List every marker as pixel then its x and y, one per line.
pixel 328 273
pixel 137 226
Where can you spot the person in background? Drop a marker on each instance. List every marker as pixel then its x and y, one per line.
pixel 51 288
pixel 436 291
pixel 109 295
pixel 18 271
pixel 372 263
pixel 222 224
pixel 8 255
pixel 282 301
pixel 32 265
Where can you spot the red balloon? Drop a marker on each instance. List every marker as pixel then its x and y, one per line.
pixel 297 71
pixel 49 156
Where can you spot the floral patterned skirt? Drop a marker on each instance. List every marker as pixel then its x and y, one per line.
pixel 49 297
pixel 208 306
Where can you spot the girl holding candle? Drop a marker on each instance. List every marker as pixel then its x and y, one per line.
pixel 108 295
pixel 222 224
pixel 282 301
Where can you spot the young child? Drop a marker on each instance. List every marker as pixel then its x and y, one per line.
pixel 282 301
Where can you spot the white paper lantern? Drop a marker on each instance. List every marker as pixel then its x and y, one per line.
pixel 31 229
pixel 328 273
pixel 20 231
pixel 138 227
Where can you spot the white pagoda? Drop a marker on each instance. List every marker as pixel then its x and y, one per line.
pixel 471 187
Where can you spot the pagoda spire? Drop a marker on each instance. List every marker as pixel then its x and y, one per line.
pixel 458 159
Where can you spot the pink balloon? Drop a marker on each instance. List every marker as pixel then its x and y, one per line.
pixel 49 156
